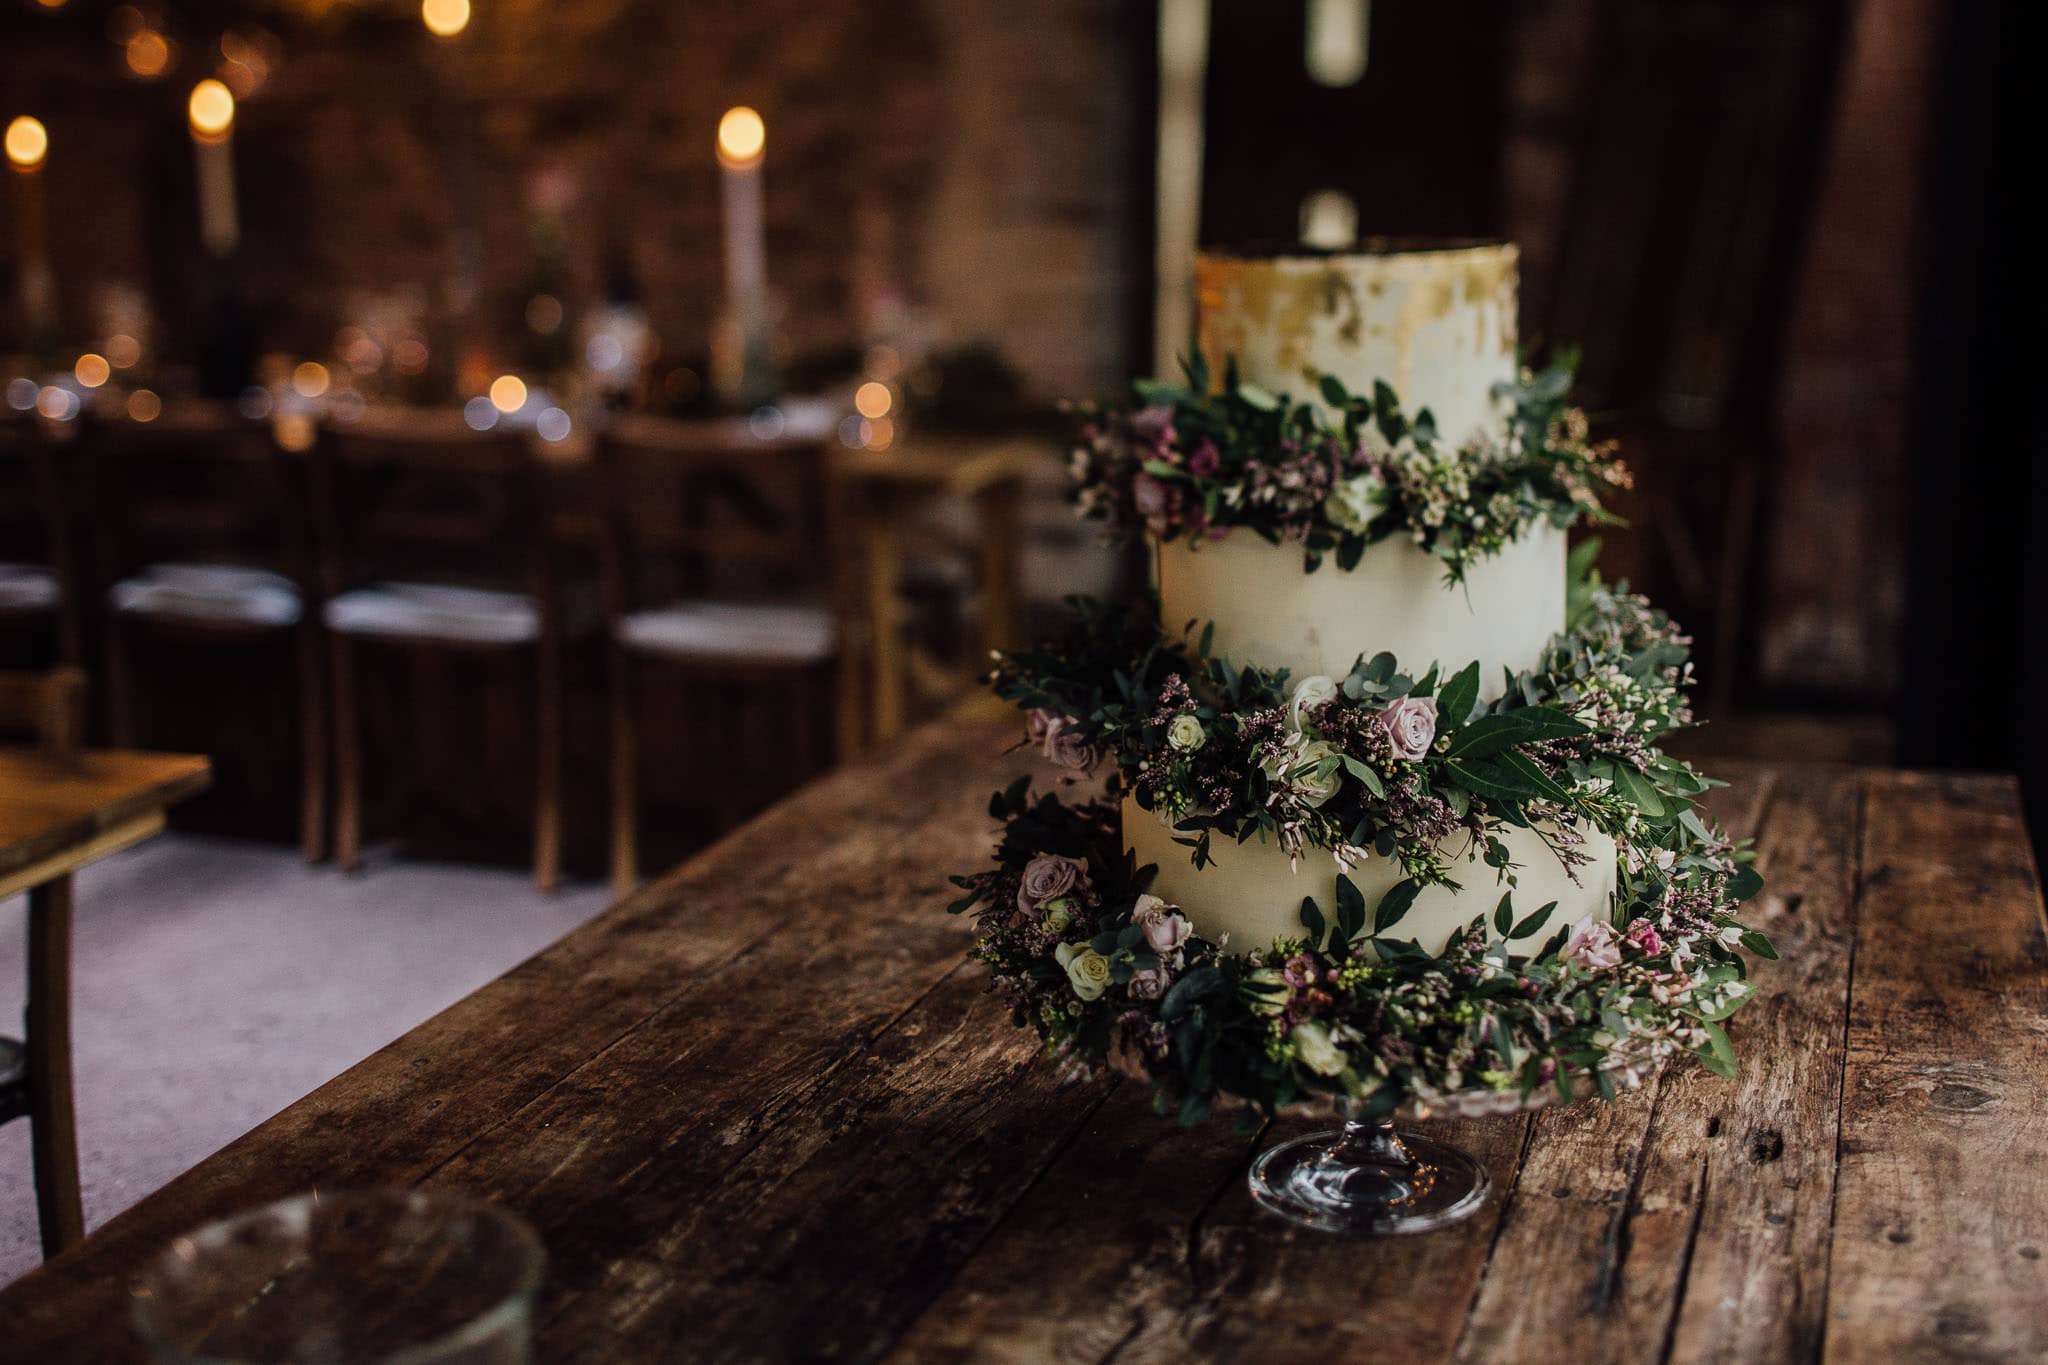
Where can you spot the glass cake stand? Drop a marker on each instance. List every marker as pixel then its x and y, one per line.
pixel 1376 1178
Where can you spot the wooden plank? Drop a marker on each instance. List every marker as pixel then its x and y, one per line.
pixel 1941 1217
pixel 69 859
pixel 1591 1251
pixel 806 869
pixel 1761 1149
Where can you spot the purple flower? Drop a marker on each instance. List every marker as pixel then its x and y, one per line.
pixel 1165 928
pixel 1150 497
pixel 1153 424
pixel 1048 877
pixel 1411 724
pixel 1205 461
pixel 1643 935
pixel 1070 751
pixel 1150 984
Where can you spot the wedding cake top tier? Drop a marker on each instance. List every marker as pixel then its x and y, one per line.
pixel 1436 323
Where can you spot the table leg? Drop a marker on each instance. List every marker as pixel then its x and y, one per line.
pixel 53 1128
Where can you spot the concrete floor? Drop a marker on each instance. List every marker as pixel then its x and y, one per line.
pixel 216 982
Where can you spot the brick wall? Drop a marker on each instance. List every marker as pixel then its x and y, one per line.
pixel 968 155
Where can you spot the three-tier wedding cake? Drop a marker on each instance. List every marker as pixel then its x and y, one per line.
pixel 1367 799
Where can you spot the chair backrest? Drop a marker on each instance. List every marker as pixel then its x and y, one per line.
pixel 422 497
pixel 690 510
pixel 48 708
pixel 200 485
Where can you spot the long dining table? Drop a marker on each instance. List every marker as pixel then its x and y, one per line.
pixel 762 1110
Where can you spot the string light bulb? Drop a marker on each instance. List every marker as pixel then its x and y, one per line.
pixel 211 110
pixel 28 142
pixel 742 137
pixel 444 18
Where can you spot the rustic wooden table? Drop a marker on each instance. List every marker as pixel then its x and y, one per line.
pixel 762 1111
pixel 58 813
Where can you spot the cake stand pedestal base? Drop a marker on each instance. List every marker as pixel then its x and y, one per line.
pixel 1369 1179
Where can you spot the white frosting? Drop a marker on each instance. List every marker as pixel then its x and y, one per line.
pixel 1439 326
pixel 1268 612
pixel 1251 893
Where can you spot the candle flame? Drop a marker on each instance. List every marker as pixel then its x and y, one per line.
pixel 28 142
pixel 742 137
pixel 211 110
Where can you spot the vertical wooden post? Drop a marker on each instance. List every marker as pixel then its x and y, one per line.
pixel 53 1126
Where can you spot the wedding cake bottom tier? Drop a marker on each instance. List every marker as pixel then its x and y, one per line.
pixel 1251 892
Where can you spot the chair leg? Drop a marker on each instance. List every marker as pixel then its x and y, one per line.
pixel 348 758
pixel 312 750
pixel 625 844
pixel 120 685
pixel 547 814
pixel 53 1132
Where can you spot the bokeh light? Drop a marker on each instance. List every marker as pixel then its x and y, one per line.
pixel 480 413
pixel 21 393
pixel 544 313
pixel 872 399
pixel 144 406
pixel 124 350
pixel 444 18
pixel 211 109
pixel 742 137
pixel 508 393
pixel 92 370
pixel 28 142
pixel 553 425
pixel 147 53
pixel 410 356
pixel 310 379
pixel 59 405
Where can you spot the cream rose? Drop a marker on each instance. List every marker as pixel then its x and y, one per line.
pixel 1411 724
pixel 1317 1050
pixel 1186 734
pixel 1317 773
pixel 1087 970
pixel 1310 693
pixel 1354 503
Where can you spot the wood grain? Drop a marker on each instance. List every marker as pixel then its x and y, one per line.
pixel 47 806
pixel 760 1111
pixel 1941 1219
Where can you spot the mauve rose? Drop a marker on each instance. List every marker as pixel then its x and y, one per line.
pixel 1411 724
pixel 1592 945
pixel 1165 930
pixel 1070 751
pixel 1154 423
pixel 1150 984
pixel 1149 496
pixel 1048 877
pixel 1041 725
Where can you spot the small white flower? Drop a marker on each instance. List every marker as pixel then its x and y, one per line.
pixel 1354 503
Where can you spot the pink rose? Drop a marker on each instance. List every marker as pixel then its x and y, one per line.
pixel 1048 877
pixel 1150 984
pixel 1411 724
pixel 1644 936
pixel 1165 929
pixel 1592 945
pixel 1041 725
pixel 1153 424
pixel 1150 497
pixel 1070 751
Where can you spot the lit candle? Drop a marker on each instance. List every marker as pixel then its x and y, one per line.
pixel 28 145
pixel 211 113
pixel 742 146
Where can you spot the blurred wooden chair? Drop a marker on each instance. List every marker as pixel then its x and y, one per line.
pixel 38 571
pixel 35 1073
pixel 433 538
pixel 205 543
pixel 715 563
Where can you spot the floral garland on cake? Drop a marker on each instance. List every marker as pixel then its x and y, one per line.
pixel 1183 463
pixel 1382 762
